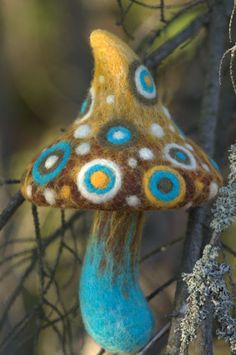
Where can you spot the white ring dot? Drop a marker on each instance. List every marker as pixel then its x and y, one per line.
pixel 50 196
pixel 213 190
pixel 187 145
pixel 82 131
pixel 51 160
pixel 144 82
pixel 179 156
pixel 157 130
pixel 82 149
pixel 132 162
pixel 146 154
pixel 110 99
pixel 91 192
pixel 132 201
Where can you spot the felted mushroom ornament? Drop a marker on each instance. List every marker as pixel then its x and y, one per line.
pixel 123 155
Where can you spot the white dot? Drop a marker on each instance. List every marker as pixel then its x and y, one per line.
pixel 213 190
pixel 29 191
pixel 82 131
pixel 146 154
pixel 157 130
pixel 118 135
pixel 101 79
pixel 172 128
pixel 110 99
pixel 82 149
pixel 206 167
pixel 132 201
pixel 50 196
pixel 132 162
pixel 188 146
pixel 166 112
pixel 51 160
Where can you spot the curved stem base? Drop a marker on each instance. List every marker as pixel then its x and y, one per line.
pixel 114 309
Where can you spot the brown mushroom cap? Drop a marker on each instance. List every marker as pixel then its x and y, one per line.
pixel 124 151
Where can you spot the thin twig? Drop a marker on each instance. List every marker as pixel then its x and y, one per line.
pixel 9 181
pixel 15 202
pixel 160 249
pixel 159 335
pixel 161 288
pixel 168 47
pixel 228 249
pixel 16 292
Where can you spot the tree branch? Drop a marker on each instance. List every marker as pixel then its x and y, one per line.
pixel 155 338
pixel 15 202
pixel 168 47
pixel 210 107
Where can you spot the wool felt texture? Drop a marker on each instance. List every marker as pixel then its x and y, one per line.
pixel 114 310
pixel 122 120
pixel 121 156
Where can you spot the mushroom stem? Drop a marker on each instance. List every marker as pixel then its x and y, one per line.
pixel 114 309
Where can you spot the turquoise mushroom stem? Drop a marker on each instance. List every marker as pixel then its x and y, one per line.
pixel 114 309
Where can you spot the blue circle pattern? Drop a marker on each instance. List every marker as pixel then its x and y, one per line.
pixel 43 179
pixel 126 135
pixel 216 166
pixel 107 171
pixel 182 156
pixel 156 179
pixel 84 106
pixel 148 88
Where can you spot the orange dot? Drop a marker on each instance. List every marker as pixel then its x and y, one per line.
pixel 65 192
pixel 99 179
pixel 199 185
pixel 148 80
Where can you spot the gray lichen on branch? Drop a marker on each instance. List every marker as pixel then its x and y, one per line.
pixel 208 291
pixel 225 207
pixel 206 284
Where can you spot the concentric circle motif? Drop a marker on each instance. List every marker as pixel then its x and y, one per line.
pixel 118 133
pixel 179 156
pixel 87 105
pixel 51 162
pixel 164 187
pixel 142 83
pixel 99 180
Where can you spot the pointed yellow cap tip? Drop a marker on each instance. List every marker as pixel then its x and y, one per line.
pixel 98 37
pixel 110 49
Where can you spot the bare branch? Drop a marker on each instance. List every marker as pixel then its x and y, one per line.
pixel 160 334
pixel 161 249
pixel 9 181
pixel 161 288
pixel 168 47
pixel 15 202
pixel 210 107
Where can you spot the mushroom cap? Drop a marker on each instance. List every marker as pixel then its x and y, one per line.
pixel 123 151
